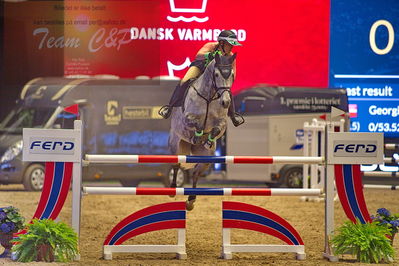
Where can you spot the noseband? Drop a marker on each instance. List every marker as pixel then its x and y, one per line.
pixel 225 70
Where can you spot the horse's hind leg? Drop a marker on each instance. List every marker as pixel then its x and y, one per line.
pixel 198 171
pixel 175 168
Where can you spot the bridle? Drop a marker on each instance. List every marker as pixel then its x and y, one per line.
pixel 225 70
pixel 218 92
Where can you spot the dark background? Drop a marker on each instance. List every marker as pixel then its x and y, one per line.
pixel 18 63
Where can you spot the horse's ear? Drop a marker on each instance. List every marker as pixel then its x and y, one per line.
pixel 233 57
pixel 217 58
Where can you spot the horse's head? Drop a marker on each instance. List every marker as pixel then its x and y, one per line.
pixel 223 77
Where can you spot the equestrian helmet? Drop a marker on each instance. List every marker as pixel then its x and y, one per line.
pixel 230 37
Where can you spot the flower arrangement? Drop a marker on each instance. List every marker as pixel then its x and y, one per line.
pixel 388 220
pixel 10 220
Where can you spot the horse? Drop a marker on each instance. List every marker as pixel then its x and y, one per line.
pixel 202 119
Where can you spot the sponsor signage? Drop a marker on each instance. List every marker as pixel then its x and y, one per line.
pixel 141 112
pixel 51 145
pixel 355 148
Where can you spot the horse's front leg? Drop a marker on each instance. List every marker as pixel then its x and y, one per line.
pixel 193 124
pixel 211 141
pixel 199 169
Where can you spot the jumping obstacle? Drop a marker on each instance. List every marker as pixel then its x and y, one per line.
pixel 171 215
pixel 250 217
pixel 297 248
pixel 336 154
pixel 279 227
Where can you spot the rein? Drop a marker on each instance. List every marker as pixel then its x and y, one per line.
pixel 208 101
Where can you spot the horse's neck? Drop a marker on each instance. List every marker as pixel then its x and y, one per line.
pixel 204 83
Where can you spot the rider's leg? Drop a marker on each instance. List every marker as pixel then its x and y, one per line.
pixel 179 91
pixel 235 117
pixel 192 72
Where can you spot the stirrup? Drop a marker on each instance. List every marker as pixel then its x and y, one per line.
pixel 165 111
pixel 237 119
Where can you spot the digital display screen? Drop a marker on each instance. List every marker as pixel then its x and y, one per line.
pixel 364 59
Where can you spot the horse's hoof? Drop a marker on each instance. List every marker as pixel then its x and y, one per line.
pixel 190 205
pixel 208 145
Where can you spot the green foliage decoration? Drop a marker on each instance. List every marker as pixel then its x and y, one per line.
pixel 367 242
pixel 60 238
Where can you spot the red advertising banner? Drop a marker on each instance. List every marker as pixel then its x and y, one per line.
pixel 284 42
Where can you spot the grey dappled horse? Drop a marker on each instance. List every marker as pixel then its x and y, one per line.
pixel 202 119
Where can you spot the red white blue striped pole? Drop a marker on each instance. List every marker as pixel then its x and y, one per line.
pixel 202 191
pixel 123 159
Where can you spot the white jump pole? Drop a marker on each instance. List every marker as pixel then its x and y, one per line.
pixel 391 187
pixel 201 191
pixel 127 159
pixel 391 146
pixel 391 160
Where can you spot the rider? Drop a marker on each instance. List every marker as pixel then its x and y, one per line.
pixel 226 40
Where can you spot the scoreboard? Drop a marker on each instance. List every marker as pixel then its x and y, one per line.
pixel 364 59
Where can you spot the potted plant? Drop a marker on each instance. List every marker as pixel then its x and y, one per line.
pixel 388 220
pixel 47 240
pixel 367 242
pixel 10 222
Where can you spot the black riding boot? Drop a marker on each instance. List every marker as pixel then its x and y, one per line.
pixel 175 101
pixel 235 117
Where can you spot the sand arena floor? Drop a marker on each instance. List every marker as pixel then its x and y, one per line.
pixel 204 226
